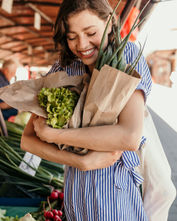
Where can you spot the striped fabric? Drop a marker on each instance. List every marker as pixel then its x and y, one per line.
pixel 110 194
pixel 76 68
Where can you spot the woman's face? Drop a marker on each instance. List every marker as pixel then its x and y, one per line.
pixel 84 36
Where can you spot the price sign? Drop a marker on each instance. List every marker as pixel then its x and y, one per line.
pixel 7 5
pixel 37 21
pixel 31 161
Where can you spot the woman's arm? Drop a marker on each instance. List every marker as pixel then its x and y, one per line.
pixel 31 143
pixel 93 160
pixel 126 135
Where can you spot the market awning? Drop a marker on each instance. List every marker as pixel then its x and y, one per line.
pixel 26 28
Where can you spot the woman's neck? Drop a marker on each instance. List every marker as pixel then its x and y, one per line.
pixel 90 68
pixel 87 69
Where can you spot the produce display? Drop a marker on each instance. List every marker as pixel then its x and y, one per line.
pixel 3 216
pixel 59 103
pixel 47 182
pixel 49 210
pixel 52 209
pixel 48 175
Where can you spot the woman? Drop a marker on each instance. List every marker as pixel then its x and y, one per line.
pixel 101 185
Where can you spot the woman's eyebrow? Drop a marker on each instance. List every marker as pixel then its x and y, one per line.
pixel 84 29
pixel 91 26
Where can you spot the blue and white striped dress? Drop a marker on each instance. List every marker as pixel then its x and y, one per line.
pixel 110 194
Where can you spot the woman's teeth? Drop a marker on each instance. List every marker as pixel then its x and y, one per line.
pixel 87 52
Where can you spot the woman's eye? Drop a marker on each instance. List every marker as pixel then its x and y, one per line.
pixel 71 38
pixel 91 34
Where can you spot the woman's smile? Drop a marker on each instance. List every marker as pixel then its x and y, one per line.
pixel 87 53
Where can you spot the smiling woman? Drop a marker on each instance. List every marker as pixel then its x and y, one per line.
pixel 101 185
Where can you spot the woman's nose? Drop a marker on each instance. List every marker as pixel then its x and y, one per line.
pixel 82 43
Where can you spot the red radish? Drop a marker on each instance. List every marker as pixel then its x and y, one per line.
pixel 49 215
pixel 55 212
pixel 57 218
pixel 53 195
pixel 60 213
pixel 58 191
pixel 45 214
pixel 61 195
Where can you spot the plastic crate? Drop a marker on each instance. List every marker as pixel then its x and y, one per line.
pixel 6 201
pixel 18 211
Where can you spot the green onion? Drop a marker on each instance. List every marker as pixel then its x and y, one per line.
pixel 48 175
pixel 104 34
pixel 115 57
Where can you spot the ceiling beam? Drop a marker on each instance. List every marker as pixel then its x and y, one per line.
pixel 15 52
pixel 23 25
pixel 4 49
pixel 16 24
pixel 17 40
pixel 43 15
pixel 14 39
pixel 22 2
pixel 25 55
pixel 23 33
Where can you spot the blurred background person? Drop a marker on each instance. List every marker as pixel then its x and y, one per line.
pixel 7 73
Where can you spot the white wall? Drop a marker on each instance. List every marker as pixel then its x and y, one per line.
pixel 160 28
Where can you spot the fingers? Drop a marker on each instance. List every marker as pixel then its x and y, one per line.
pixel 97 160
pixel 34 115
pixel 36 123
pixel 39 120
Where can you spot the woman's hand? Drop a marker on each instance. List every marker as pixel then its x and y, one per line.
pixel 98 160
pixel 43 131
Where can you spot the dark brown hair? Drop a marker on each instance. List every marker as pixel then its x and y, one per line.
pixel 99 7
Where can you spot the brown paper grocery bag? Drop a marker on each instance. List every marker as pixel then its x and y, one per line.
pixel 22 95
pixel 108 93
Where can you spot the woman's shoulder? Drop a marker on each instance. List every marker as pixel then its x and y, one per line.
pixel 55 67
pixel 131 46
pixel 131 51
pixel 75 68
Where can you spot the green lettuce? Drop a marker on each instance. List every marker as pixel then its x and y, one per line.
pixel 59 103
